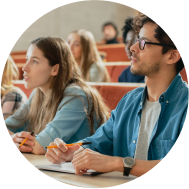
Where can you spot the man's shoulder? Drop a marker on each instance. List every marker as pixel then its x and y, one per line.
pixel 184 92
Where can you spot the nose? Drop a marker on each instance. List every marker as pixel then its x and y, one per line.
pixel 134 48
pixel 25 68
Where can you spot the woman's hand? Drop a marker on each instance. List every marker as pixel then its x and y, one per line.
pixel 62 153
pixel 19 137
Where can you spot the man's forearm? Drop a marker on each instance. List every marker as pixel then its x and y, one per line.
pixel 141 167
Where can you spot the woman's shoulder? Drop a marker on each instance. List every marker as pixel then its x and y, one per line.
pixel 74 89
pixel 96 65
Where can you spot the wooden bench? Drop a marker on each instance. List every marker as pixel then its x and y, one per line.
pixel 115 69
pixel 19 58
pixel 115 52
pixel 110 92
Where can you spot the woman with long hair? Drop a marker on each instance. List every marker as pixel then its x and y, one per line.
pixel 83 46
pixel 11 97
pixel 62 104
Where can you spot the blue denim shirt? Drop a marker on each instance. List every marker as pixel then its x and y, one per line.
pixel 70 122
pixel 118 136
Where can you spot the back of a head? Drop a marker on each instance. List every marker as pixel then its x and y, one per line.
pixel 10 73
pixel 127 27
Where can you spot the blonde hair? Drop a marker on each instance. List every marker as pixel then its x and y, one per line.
pixel 90 55
pixel 10 73
pixel 44 107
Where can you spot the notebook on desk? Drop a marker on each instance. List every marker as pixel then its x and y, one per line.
pixel 64 168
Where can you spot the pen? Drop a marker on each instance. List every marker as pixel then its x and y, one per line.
pixel 84 143
pixel 25 140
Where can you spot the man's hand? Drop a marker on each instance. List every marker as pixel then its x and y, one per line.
pixel 89 159
pixel 62 153
pixel 18 139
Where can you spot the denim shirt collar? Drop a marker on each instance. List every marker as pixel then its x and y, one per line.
pixel 166 96
pixel 173 87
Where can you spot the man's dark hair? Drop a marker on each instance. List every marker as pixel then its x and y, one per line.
pixel 127 27
pixel 110 24
pixel 141 19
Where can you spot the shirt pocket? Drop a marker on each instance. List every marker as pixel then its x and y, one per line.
pixel 163 147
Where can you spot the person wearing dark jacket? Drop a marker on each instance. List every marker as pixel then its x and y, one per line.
pixel 129 39
pixel 110 33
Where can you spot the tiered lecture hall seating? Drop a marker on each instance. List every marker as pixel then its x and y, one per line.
pixel 110 92
pixel 115 69
pixel 115 52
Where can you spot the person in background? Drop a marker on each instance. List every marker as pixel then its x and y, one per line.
pixel 129 40
pixel 11 97
pixel 147 121
pixel 83 47
pixel 110 33
pixel 62 104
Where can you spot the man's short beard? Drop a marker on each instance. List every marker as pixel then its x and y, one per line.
pixel 146 70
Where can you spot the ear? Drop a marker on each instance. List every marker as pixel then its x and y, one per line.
pixel 174 57
pixel 55 70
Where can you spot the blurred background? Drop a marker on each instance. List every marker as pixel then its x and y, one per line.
pixel 89 15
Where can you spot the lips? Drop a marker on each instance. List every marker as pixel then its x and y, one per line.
pixel 133 59
pixel 25 78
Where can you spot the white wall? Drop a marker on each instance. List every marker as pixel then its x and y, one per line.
pixel 89 15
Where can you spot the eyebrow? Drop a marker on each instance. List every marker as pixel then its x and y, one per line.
pixel 33 57
pixel 145 38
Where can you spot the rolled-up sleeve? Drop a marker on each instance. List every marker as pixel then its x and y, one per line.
pixel 102 140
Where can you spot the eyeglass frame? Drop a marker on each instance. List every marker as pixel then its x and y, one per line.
pixel 159 44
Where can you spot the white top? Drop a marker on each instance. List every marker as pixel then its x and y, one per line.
pixel 96 75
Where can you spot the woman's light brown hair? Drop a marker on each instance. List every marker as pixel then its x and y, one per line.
pixel 10 73
pixel 90 55
pixel 43 107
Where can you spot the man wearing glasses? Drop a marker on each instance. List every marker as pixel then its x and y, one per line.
pixel 147 121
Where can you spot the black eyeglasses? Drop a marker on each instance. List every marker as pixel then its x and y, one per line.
pixel 142 43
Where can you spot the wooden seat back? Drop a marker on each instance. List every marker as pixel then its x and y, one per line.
pixel 115 52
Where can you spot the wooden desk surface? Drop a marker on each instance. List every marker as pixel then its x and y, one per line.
pixel 102 180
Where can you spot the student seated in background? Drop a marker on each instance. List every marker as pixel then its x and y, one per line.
pixel 110 33
pixel 147 121
pixel 83 47
pixel 62 105
pixel 11 97
pixel 129 40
